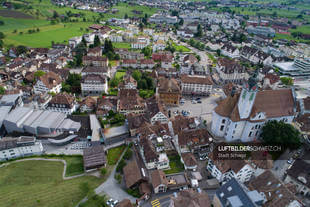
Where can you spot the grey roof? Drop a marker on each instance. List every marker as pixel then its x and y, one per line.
pixel 9 99
pixel 32 118
pixel 233 193
pixel 4 111
pixel 65 140
pixel 18 113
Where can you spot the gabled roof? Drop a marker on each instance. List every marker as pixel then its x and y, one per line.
pixel 50 79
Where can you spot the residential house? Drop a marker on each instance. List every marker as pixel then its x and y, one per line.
pixel 224 170
pixel 88 104
pixel 275 192
pixel 189 161
pixel 96 70
pixel 94 85
pixel 129 82
pixel 50 82
pixel 129 101
pixel 159 45
pixel 193 140
pixel 155 111
pixel 97 61
pixel 231 71
pixel 230 51
pixel 62 102
pixel 189 198
pixel 298 176
pixel 159 181
pixel 147 63
pixel 96 52
pixel 234 193
pixel 124 203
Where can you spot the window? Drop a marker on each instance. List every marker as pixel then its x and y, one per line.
pixel 223 121
pixel 250 134
pixel 222 128
pixel 236 126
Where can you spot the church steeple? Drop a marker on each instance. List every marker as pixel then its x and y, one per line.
pixel 248 95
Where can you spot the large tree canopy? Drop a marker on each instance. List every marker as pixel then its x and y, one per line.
pixel 279 132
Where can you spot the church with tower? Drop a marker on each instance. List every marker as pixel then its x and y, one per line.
pixel 241 116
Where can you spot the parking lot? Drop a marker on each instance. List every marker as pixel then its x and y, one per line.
pixel 203 109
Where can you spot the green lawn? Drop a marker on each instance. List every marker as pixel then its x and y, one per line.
pixel 120 74
pixel 74 165
pixel 58 33
pixel 180 48
pixel 122 45
pixel 40 184
pixel 114 154
pixel 175 163
pixel 113 91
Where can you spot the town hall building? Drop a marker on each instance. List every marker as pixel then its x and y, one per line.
pixel 241 116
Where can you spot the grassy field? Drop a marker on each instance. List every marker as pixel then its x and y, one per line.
pixel 114 154
pixel 120 74
pixel 74 165
pixel 59 33
pixel 40 184
pixel 180 48
pixel 175 164
pixel 121 45
pixel 10 24
pixel 124 8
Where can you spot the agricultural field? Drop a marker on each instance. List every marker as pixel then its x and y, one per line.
pixel 40 184
pixel 127 9
pixel 59 33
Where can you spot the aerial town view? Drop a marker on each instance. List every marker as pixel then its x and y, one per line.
pixel 154 103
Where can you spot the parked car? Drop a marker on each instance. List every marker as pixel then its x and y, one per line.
pixel 290 161
pixel 198 101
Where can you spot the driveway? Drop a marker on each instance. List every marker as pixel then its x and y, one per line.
pixel 114 190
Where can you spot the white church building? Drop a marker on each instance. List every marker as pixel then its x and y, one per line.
pixel 240 116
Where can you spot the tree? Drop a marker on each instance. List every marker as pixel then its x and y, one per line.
pixel 287 81
pixel 83 42
pixel 39 73
pixel 198 58
pixel 136 75
pixel 147 51
pixel 97 41
pixel 199 31
pixel 21 49
pixel 174 13
pixel 126 16
pixel 55 15
pixel 2 35
pixel 103 171
pixel 108 46
pixel 280 133
pixel 2 90
pixel 141 26
pixel 181 22
pixel 218 52
pixel 1 22
pixel 128 154
pixel 142 84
